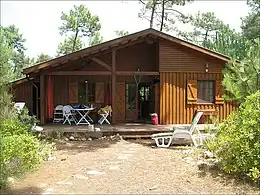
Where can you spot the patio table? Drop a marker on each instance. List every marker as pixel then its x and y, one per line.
pixel 84 117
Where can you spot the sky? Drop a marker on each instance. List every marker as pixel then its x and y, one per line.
pixel 38 21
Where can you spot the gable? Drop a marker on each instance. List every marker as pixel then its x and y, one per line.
pixel 123 42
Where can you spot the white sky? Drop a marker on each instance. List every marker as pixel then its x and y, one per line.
pixel 39 20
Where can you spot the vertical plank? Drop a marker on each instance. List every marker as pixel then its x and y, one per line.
pixel 174 98
pixel 113 81
pixel 42 99
pixel 181 111
pixel 178 97
pixel 167 98
pixel 184 97
pixel 170 100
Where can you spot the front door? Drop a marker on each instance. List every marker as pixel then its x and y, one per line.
pixel 145 101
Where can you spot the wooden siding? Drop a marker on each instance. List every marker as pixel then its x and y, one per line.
pixel 176 58
pixel 141 56
pixel 24 93
pixel 173 103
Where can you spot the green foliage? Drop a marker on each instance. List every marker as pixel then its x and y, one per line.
pixel 240 79
pixel 210 32
pixel 95 39
pixel 46 149
pixel 121 33
pixel 161 13
pixel 250 24
pixel 80 22
pixel 237 142
pixel 13 39
pixel 42 58
pixel 20 154
pixel 13 127
pixel 25 118
pixel 66 46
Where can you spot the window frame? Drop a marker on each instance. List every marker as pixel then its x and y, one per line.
pixel 201 101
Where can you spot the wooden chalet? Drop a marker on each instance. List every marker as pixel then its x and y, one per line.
pixel 177 78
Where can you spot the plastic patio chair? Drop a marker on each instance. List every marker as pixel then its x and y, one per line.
pixel 68 116
pixel 104 113
pixel 58 114
pixel 164 140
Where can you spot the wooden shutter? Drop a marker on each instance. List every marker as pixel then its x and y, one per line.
pixel 192 92
pixel 219 92
pixel 73 92
pixel 100 92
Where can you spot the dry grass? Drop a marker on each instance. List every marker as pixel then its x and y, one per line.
pixel 127 168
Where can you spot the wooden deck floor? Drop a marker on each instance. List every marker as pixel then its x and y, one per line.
pixel 130 130
pixel 119 128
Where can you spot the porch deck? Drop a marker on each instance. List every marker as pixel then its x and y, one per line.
pixel 126 130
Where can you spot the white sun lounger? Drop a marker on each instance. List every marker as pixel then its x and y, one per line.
pixel 164 140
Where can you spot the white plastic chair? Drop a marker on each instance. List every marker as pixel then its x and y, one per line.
pixel 58 114
pixel 67 114
pixel 104 117
pixel 164 140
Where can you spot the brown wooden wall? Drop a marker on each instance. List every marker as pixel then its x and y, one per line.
pixel 61 86
pixel 173 101
pixel 177 58
pixel 23 93
pixel 141 56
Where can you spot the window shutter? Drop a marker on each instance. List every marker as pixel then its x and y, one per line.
pixel 219 92
pixel 73 92
pixel 192 92
pixel 100 92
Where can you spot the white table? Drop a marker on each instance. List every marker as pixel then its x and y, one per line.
pixel 84 117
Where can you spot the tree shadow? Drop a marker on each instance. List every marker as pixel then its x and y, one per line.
pixel 84 146
pixel 22 191
pixel 225 178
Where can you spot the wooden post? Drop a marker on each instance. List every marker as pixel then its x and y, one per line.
pixel 42 99
pixel 113 85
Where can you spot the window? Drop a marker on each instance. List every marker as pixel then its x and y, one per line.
pixel 206 91
pixel 130 96
pixel 86 93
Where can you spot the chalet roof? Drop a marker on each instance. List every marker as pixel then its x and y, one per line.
pixel 121 41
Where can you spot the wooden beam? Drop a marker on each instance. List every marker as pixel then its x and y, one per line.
pixel 100 62
pixel 127 73
pixel 78 73
pixel 113 81
pixel 42 99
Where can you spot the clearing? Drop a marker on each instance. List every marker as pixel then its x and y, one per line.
pixel 125 167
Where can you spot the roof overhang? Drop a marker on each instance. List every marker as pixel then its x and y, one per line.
pixel 121 42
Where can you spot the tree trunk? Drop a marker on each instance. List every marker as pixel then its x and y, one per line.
pixel 75 40
pixel 152 14
pixel 162 17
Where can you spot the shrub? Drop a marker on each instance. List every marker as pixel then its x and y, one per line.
pixel 19 154
pixel 237 142
pixel 25 118
pixel 13 127
pixel 46 149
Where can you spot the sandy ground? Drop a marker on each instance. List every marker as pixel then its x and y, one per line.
pixel 125 167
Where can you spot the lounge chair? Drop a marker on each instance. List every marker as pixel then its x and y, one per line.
pixel 164 140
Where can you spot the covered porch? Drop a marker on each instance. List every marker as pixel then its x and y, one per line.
pixel 102 78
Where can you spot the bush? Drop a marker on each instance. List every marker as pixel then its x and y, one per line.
pixel 237 143
pixel 13 127
pixel 46 149
pixel 19 154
